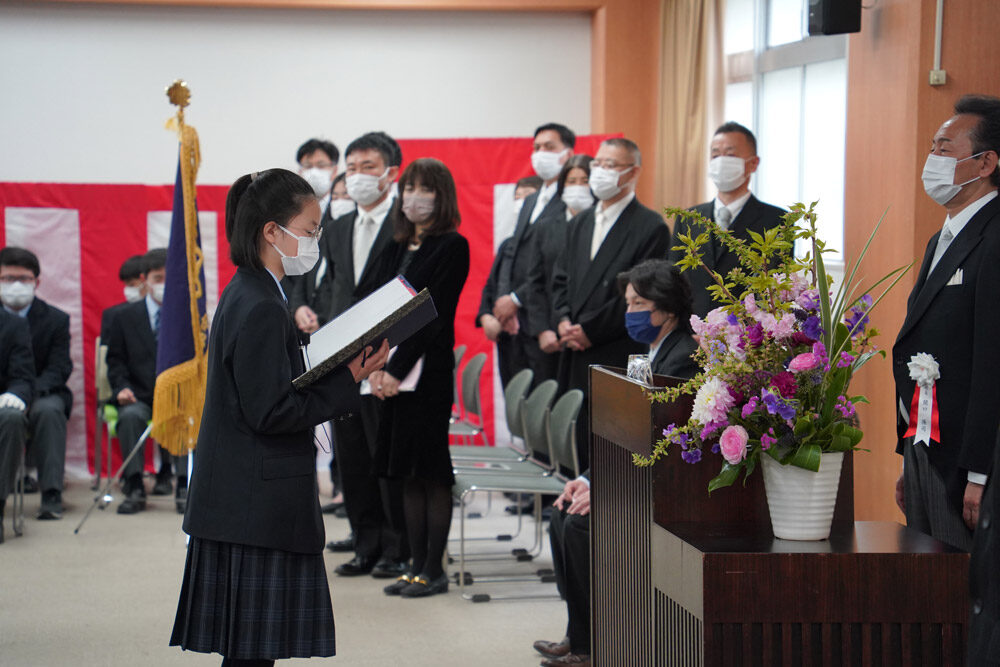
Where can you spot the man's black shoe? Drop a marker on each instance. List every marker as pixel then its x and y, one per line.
pixel 134 503
pixel 29 484
pixel 164 485
pixel 51 508
pixel 524 508
pixel 390 569
pixel 341 545
pixel 331 508
pixel 181 499
pixel 356 566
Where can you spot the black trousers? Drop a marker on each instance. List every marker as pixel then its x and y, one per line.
pixel 570 538
pixel 374 505
pixel 525 353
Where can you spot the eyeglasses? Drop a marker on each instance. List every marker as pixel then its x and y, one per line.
pixel 10 280
pixel 609 164
pixel 315 234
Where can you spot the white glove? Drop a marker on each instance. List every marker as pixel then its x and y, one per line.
pixel 10 400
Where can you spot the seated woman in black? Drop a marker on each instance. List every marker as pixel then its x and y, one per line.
pixel 659 313
pixel 255 586
pixel 413 438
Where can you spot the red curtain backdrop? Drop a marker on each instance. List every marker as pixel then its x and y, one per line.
pixel 113 226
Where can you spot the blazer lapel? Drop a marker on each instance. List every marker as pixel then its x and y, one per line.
pixel 669 343
pixel 608 251
pixel 579 256
pixel 382 239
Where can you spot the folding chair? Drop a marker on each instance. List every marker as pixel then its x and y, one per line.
pixel 456 409
pixel 465 428
pixel 513 394
pixel 103 393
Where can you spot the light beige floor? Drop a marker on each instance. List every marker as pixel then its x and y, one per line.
pixel 107 597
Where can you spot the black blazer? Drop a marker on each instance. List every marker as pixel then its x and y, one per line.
pixel 107 317
pixel 586 292
pixel 303 290
pixel 984 585
pixel 50 346
pixel 957 324
pixel 547 244
pixel 132 352
pixel 441 264
pixel 674 356
pixel 488 296
pixel 756 216
pixel 255 480
pixel 519 256
pixel 338 247
pixel 17 367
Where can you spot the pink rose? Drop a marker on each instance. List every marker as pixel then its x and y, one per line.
pixel 803 362
pixel 733 444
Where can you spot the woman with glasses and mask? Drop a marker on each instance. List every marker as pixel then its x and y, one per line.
pixel 255 586
pixel 416 383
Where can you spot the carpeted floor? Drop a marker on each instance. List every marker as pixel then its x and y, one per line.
pixel 107 596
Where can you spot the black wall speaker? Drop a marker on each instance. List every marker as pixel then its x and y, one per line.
pixel 834 17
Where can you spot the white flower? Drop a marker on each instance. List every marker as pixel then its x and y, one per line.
pixel 711 402
pixel 924 369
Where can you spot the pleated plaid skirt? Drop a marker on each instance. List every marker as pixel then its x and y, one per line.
pixel 249 602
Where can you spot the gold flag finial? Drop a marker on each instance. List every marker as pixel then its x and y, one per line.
pixel 179 94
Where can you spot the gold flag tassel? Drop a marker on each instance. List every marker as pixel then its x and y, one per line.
pixel 179 395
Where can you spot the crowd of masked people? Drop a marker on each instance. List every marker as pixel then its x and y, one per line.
pixel 588 276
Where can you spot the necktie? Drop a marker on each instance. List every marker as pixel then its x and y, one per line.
pixel 944 240
pixel 156 324
pixel 363 245
pixel 600 231
pixel 543 200
pixel 724 217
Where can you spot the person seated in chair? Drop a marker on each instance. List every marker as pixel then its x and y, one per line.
pixel 658 313
pixel 17 376
pixel 51 400
pixel 132 375
pixel 131 274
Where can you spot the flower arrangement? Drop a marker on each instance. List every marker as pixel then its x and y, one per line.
pixel 778 353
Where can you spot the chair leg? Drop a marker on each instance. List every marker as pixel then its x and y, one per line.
pixel 17 511
pixel 98 429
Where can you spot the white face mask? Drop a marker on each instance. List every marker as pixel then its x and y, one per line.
pixel 341 207
pixel 726 171
pixel 305 258
pixel 547 164
pixel 17 295
pixel 418 208
pixel 578 197
pixel 365 188
pixel 156 291
pixel 133 294
pixel 939 177
pixel 318 179
pixel 604 182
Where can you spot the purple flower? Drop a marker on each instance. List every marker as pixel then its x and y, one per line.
pixel 808 300
pixel 776 405
pixel 845 407
pixel 845 360
pixel 712 427
pixel 755 334
pixel 691 455
pixel 750 407
pixel 733 320
pixel 856 317
pixel 785 383
pixel 812 328
pixel 715 448
pixel 767 439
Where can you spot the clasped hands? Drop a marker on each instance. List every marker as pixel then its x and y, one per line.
pixel 576 494
pixel 573 336
pixel 503 319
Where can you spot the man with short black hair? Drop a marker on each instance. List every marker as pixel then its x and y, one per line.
pixel 734 160
pixel 131 275
pixel 51 399
pixel 952 316
pixel 317 160
pixel 553 146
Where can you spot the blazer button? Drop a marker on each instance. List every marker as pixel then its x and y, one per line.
pixel 984 521
pixel 977 607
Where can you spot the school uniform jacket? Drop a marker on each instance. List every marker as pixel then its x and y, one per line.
pixel 132 352
pixel 255 479
pixel 17 367
pixel 674 356
pixel 50 346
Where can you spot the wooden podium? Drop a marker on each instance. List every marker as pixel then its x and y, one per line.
pixel 681 578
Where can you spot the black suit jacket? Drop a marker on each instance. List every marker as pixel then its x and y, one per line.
pixel 303 290
pixel 50 346
pixel 107 317
pixel 255 481
pixel 17 366
pixel 674 356
pixel 984 585
pixel 519 255
pixel 958 325
pixel 756 216
pixel 586 292
pixel 132 352
pixel 548 242
pixel 489 294
pixel 338 247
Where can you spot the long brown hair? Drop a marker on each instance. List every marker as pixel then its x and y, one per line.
pixel 433 174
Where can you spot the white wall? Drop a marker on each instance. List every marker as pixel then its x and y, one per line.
pixel 83 86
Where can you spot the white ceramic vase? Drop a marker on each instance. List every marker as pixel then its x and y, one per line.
pixel 801 501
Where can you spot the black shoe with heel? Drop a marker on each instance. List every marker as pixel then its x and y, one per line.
pixel 423 587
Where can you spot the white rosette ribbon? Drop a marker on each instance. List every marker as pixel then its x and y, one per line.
pixel 924 427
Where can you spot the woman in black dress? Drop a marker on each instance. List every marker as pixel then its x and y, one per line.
pixel 413 438
pixel 255 586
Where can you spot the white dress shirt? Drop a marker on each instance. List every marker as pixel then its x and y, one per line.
pixel 735 208
pixel 952 227
pixel 366 227
pixel 605 218
pixel 545 195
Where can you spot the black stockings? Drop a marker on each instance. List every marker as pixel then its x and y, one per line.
pixel 428 519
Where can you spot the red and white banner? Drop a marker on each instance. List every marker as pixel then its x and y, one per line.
pixel 83 232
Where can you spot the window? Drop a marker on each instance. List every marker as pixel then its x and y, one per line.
pixel 791 90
